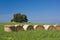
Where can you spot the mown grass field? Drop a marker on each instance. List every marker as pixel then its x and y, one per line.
pixel 28 35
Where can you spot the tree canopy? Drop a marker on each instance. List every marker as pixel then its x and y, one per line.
pixel 18 17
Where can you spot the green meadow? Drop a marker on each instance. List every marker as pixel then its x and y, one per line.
pixel 28 35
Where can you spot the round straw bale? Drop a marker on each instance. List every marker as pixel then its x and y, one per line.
pixel 9 28
pixel 19 27
pixel 30 27
pixel 13 28
pixel 39 27
pixel 35 26
pixel 57 27
pixel 25 27
pixel 46 26
pixel 51 27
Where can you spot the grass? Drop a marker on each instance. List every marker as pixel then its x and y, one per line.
pixel 28 35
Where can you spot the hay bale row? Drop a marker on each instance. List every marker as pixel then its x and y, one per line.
pixel 9 28
pixel 47 27
pixel 25 27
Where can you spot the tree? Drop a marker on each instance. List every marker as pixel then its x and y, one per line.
pixel 19 18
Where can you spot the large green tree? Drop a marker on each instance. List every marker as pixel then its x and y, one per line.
pixel 18 17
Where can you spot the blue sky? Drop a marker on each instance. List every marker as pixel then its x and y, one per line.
pixel 39 11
